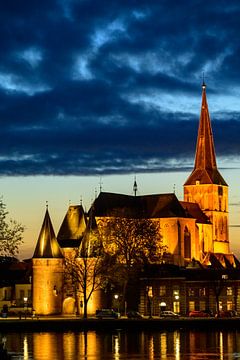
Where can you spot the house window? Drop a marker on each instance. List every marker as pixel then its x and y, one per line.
pixel 202 305
pixel 191 292
pixel 202 292
pixel 162 290
pixel 176 294
pixel 220 190
pixel 22 294
pixel 220 305
pixel 176 307
pixel 191 305
pixel 229 291
pixel 229 305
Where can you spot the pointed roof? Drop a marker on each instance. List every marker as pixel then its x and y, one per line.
pixel 91 245
pixel 73 227
pixel 47 245
pixel 205 169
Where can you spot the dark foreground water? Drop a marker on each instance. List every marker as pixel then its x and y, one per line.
pixel 121 344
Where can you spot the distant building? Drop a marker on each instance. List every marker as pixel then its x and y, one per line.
pixel 196 228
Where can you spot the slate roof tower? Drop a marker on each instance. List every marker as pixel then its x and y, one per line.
pixel 206 185
pixel 47 271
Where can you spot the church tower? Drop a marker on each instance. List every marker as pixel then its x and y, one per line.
pixel 47 272
pixel 206 186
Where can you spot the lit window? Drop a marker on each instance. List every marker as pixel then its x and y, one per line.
pixel 229 291
pixel 191 305
pixel 229 305
pixel 202 292
pixel 191 292
pixel 162 290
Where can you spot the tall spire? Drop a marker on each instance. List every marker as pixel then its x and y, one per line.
pixel 205 168
pixel 205 152
pixel 135 187
pixel 47 245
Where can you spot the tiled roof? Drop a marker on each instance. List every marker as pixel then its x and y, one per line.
pixel 194 210
pixel 146 206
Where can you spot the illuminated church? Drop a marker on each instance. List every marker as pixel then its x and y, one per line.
pixel 196 228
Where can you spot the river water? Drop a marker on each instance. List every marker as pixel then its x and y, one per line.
pixel 121 344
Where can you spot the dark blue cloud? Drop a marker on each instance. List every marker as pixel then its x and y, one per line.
pixel 89 87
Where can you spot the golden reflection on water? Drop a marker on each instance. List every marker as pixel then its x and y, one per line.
pixel 177 345
pixel 119 344
pixel 25 348
pixel 163 345
pixel 221 345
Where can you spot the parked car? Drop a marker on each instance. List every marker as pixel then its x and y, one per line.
pixel 168 314
pixel 107 314
pixel 199 313
pixel 134 315
pixel 227 313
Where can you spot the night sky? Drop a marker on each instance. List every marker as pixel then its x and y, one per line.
pixel 114 87
pixel 93 93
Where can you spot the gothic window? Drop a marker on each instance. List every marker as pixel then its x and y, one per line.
pixel 220 204
pixel 221 226
pixel 187 243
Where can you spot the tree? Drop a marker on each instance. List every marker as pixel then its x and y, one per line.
pixel 88 268
pixel 11 233
pixel 135 242
pixel 84 276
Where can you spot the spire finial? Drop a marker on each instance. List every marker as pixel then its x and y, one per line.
pixel 135 188
pixel 81 200
pixel 203 80
pixel 100 184
pixel 46 204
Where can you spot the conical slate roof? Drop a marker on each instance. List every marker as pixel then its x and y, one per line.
pixel 91 245
pixel 47 245
pixel 73 227
pixel 205 169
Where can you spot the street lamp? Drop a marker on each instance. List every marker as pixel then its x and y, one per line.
pixel 150 298
pixel 162 307
pixel 25 301
pixel 116 296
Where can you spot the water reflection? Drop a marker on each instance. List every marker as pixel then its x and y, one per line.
pixel 121 344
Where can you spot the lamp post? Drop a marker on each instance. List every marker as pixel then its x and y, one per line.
pixel 162 307
pixel 150 299
pixel 116 296
pixel 25 301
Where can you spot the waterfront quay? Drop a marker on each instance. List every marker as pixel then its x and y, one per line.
pixel 67 323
